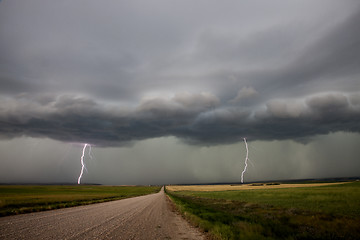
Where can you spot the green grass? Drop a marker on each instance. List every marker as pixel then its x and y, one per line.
pixel 16 199
pixel 327 212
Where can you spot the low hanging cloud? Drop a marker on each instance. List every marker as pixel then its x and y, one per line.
pixel 195 118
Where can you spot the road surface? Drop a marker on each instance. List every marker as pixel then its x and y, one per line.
pixel 146 217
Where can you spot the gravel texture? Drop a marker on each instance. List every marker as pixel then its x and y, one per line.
pixel 145 217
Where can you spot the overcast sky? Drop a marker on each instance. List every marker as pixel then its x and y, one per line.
pixel 165 91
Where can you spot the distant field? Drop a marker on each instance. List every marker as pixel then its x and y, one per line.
pixel 306 211
pixel 15 199
pixel 211 188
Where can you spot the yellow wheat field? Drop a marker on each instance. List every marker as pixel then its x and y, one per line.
pixel 208 188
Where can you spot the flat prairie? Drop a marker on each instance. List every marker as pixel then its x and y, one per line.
pixel 272 210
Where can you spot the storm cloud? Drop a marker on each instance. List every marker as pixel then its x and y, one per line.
pixel 197 118
pixel 116 72
pixel 179 84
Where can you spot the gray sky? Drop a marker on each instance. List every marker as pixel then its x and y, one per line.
pixel 165 91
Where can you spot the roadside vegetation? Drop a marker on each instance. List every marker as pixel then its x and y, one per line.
pixel 326 212
pixel 16 199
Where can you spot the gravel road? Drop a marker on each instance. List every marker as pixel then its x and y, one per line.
pixel 145 217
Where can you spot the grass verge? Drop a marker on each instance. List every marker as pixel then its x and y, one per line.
pixel 17 199
pixel 329 212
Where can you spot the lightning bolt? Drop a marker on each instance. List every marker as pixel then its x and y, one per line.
pixel 246 161
pixel 82 160
pixel 89 156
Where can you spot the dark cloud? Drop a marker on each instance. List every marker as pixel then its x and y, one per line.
pixel 197 118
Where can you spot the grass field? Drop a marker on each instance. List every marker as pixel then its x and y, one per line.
pixel 317 212
pixel 16 199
